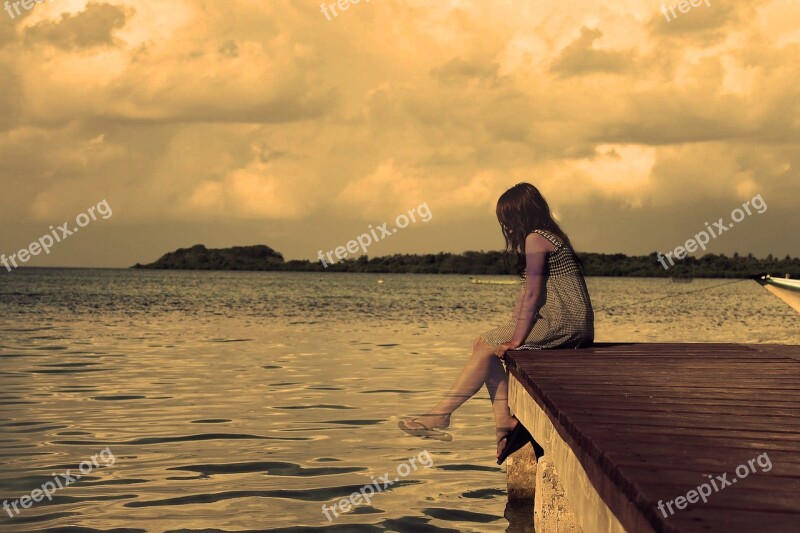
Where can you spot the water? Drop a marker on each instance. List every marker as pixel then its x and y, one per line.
pixel 246 401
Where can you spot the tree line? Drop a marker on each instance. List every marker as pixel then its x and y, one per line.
pixel 264 258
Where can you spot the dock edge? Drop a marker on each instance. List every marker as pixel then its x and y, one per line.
pixel 591 510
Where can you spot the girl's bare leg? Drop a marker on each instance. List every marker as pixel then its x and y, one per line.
pixel 497 385
pixel 483 367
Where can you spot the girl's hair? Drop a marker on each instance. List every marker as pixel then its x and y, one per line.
pixel 521 210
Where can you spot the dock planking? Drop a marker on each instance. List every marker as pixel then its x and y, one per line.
pixel 650 422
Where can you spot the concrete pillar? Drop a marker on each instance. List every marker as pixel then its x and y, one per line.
pixel 551 510
pixel 521 475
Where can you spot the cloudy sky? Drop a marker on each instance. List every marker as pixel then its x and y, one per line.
pixel 268 121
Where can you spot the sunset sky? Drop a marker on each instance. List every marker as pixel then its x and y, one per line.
pixel 264 122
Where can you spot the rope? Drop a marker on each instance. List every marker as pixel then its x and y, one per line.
pixel 606 309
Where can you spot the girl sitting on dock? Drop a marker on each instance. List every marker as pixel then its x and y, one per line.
pixel 552 310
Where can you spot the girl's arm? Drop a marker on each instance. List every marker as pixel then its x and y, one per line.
pixel 536 250
pixel 517 304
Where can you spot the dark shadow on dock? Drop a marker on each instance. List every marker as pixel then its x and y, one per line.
pixel 610 344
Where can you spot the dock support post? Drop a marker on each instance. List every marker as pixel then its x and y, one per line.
pixel 521 475
pixel 536 484
pixel 551 509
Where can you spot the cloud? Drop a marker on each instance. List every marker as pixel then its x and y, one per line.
pixel 705 24
pixel 581 57
pixel 459 70
pixel 89 28
pixel 246 193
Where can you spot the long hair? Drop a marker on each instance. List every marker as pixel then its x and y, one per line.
pixel 521 210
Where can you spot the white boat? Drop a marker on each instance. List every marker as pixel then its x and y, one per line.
pixel 784 283
pixel 786 289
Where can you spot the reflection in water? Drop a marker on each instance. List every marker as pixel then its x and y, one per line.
pixel 243 401
pixel 519 516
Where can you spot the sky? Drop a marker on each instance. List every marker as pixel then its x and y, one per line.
pixel 278 122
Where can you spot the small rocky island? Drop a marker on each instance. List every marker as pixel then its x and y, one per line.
pixel 198 257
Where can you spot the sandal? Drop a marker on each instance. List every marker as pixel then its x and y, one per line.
pixel 424 432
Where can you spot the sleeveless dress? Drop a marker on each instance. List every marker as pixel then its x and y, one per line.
pixel 565 319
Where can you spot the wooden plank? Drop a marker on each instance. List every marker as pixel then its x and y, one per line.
pixel 651 405
pixel 716 437
pixel 730 520
pixel 639 473
pixel 695 420
pixel 580 394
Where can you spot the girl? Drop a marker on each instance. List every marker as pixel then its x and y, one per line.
pixel 552 310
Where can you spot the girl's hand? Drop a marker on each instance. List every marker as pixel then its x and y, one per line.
pixel 503 348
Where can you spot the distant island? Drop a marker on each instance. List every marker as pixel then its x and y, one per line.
pixel 264 258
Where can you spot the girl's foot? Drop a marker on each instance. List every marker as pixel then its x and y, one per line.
pixel 514 440
pixel 502 435
pixel 429 421
pixel 427 426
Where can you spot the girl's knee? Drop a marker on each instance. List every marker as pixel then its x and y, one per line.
pixel 480 345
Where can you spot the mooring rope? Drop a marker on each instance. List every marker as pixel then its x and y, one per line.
pixel 606 309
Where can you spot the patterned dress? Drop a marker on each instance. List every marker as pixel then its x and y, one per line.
pixel 565 318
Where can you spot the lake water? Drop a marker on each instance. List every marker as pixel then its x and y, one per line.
pixel 246 401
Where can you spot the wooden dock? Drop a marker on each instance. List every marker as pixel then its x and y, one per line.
pixel 627 427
